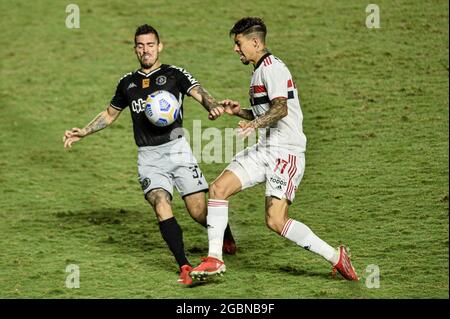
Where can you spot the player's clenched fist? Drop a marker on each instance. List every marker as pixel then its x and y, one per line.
pixel 245 128
pixel 231 107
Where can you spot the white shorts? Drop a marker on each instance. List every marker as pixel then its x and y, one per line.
pixel 282 169
pixel 170 164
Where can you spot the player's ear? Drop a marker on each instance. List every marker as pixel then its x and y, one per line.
pixel 255 41
pixel 160 47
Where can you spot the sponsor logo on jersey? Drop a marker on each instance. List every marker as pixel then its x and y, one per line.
pixel 145 83
pixel 132 85
pixel 161 80
pixel 138 106
pixel 278 181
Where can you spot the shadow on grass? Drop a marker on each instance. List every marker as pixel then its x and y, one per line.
pixel 131 231
pixel 302 272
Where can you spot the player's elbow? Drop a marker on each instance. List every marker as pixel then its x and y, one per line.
pixel 279 108
pixel 284 111
pixel 281 113
pixel 110 115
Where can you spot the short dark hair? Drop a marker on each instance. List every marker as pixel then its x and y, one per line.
pixel 249 25
pixel 145 29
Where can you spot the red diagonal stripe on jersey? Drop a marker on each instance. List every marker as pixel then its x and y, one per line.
pixel 259 88
pixel 267 61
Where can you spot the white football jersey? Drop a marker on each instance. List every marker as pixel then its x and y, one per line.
pixel 271 79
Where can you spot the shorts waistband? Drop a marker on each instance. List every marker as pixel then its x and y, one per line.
pixel 168 144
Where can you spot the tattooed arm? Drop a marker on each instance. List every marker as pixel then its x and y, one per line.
pixel 276 112
pixel 246 114
pixel 101 121
pixel 215 108
pixel 202 96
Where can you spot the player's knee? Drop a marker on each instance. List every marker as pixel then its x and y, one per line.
pixel 275 224
pixel 218 191
pixel 200 217
pixel 198 213
pixel 159 199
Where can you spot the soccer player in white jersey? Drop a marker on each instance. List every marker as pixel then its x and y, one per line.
pixel 277 159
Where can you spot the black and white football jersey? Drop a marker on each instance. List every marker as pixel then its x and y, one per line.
pixel 134 88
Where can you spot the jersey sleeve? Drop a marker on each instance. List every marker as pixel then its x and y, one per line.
pixel 275 79
pixel 186 81
pixel 119 100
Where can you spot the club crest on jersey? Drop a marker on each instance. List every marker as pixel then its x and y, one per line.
pixel 145 183
pixel 145 83
pixel 161 80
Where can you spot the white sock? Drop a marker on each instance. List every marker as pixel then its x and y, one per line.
pixel 217 220
pixel 303 236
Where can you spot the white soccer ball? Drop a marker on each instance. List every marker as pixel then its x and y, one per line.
pixel 162 108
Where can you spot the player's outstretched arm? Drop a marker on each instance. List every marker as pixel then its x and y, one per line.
pixel 209 103
pixel 101 121
pixel 276 112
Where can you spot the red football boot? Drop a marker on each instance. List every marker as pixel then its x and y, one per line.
pixel 185 278
pixel 344 265
pixel 229 246
pixel 209 266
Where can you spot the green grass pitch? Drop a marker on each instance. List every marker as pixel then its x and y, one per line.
pixel 375 104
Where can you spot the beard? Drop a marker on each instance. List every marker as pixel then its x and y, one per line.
pixel 147 65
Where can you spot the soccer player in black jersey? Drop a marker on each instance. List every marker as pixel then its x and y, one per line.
pixel 158 169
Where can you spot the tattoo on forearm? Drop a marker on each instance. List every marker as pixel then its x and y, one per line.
pixel 208 101
pixel 97 124
pixel 246 114
pixel 277 111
